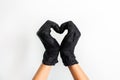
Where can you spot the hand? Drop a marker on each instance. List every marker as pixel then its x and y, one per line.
pixel 50 44
pixel 69 42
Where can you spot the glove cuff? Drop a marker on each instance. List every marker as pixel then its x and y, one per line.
pixel 69 60
pixel 50 60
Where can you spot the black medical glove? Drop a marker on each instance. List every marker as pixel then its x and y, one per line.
pixel 69 42
pixel 50 44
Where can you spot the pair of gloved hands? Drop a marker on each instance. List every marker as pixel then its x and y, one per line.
pixel 52 47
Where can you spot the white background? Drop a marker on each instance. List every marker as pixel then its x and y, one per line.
pixel 98 49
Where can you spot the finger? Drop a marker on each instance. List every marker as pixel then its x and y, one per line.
pixel 45 28
pixel 53 25
pixel 70 35
pixel 73 27
pixel 63 27
pixel 67 25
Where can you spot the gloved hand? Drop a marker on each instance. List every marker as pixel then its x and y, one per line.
pixel 50 44
pixel 69 42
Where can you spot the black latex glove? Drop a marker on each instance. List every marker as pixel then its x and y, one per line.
pixel 69 42
pixel 50 44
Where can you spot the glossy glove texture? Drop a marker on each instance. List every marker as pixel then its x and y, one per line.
pixel 69 42
pixel 50 44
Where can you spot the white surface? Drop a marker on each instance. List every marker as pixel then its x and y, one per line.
pixel 97 51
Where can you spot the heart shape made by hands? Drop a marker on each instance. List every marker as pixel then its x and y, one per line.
pixel 59 37
pixel 71 36
pixel 57 31
pixel 52 46
pixel 72 33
